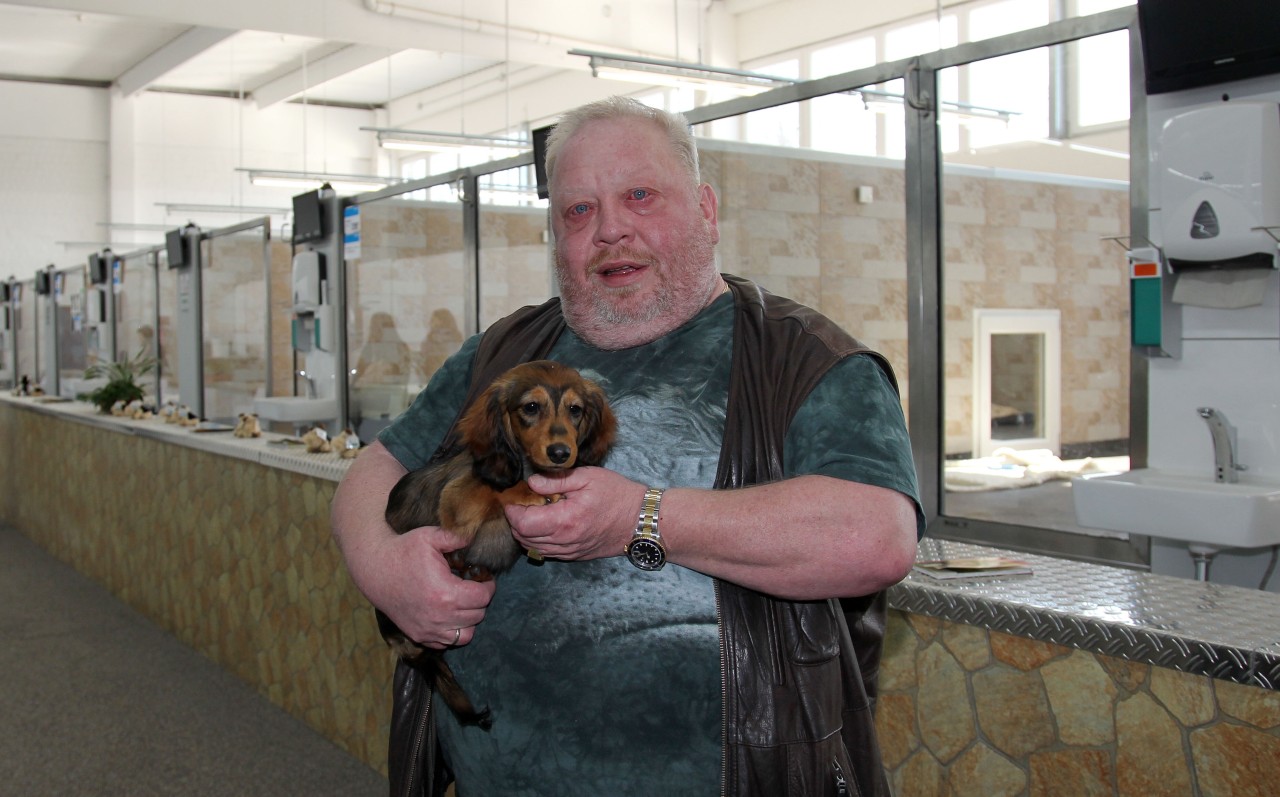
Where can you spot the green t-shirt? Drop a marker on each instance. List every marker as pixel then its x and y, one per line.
pixel 595 670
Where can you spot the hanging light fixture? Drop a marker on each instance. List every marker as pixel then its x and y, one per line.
pixel 430 141
pixel 678 74
pixel 342 183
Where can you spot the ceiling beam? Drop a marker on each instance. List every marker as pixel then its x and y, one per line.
pixel 323 69
pixel 177 52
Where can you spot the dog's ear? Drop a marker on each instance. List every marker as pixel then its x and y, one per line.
pixel 486 432
pixel 599 426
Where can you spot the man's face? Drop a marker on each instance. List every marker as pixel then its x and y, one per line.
pixel 635 241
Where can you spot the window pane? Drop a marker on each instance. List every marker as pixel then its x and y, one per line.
pixel 1026 233
pixel 1102 84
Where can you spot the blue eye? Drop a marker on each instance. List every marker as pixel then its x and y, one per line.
pixel 639 193
pixel 579 209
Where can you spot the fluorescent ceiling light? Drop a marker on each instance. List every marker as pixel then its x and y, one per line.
pixel 678 74
pixel 342 183
pixel 173 207
pixel 430 141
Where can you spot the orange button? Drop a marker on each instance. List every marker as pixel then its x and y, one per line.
pixel 1146 270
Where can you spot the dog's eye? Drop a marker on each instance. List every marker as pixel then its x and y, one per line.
pixel 530 408
pixel 575 411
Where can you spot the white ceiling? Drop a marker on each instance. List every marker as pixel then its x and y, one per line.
pixel 367 53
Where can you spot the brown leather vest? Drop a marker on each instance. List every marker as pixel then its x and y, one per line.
pixel 800 676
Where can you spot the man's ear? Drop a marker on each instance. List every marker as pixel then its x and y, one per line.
pixel 709 206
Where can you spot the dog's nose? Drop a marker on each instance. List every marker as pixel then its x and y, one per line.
pixel 558 453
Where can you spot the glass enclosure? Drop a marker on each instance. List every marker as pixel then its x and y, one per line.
pixel 25 326
pixel 1034 181
pixel 137 312
pixel 235 312
pixel 515 259
pixel 68 286
pixel 408 304
pixel 814 222
pixel 167 338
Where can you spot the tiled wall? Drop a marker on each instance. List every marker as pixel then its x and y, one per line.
pixel 792 222
pixel 964 711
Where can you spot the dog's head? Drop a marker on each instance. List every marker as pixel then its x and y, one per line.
pixel 540 416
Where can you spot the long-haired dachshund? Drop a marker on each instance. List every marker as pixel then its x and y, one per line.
pixel 538 417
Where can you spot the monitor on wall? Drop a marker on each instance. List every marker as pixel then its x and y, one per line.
pixel 1191 43
pixel 308 217
pixel 175 246
pixel 98 269
pixel 540 159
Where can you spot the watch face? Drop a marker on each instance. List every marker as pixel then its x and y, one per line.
pixel 646 553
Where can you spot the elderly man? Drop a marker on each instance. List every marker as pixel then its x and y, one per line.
pixel 685 634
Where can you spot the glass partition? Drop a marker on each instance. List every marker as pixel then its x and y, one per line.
pixel 515 259
pixel 73 358
pixel 25 324
pixel 235 315
pixel 817 223
pixel 1034 180
pixel 167 331
pixel 137 313
pixel 408 304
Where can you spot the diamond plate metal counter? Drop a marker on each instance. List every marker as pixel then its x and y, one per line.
pixel 1226 632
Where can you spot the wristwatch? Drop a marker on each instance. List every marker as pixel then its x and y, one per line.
pixel 645 549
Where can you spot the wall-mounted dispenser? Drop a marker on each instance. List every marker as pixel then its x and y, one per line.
pixel 182 249
pixel 319 342
pixel 1155 321
pixel 99 308
pixel 8 333
pixel 47 295
pixel 1218 180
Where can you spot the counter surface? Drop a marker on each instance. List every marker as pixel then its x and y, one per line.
pixel 1210 629
pixel 1217 630
pixel 271 449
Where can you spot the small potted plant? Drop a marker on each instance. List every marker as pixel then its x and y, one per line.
pixel 121 379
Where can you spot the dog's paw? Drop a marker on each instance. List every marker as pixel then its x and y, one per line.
pixel 551 499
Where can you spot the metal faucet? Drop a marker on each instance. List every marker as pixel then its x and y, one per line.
pixel 311 386
pixel 1226 469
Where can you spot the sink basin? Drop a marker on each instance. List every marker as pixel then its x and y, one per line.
pixel 1181 506
pixel 296 409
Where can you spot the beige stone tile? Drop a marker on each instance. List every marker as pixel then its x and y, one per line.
pixel 1251 704
pixel 1188 697
pixel 1236 761
pixel 1013 710
pixel 1082 696
pixel 1072 773
pixel 1150 759
pixel 982 772
pixel 946 720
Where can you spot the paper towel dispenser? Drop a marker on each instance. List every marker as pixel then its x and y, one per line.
pixel 1218 172
pixel 308 281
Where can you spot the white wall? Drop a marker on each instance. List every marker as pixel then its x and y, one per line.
pixel 53 159
pixel 75 158
pixel 1230 360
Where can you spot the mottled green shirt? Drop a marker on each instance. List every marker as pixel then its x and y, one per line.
pixel 604 679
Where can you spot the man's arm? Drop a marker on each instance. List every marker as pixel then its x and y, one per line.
pixel 804 538
pixel 405 576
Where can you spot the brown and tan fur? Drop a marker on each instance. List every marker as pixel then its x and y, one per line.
pixel 538 417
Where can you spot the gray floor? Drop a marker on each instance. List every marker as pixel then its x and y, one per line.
pixel 97 700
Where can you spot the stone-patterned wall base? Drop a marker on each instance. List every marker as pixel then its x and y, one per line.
pixel 234 558
pixel 964 711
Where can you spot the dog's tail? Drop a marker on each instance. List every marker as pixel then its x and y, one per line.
pixel 431 663
pixel 455 697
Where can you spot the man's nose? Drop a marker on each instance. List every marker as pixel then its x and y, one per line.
pixel 613 226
